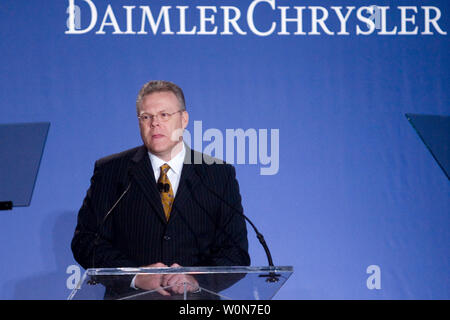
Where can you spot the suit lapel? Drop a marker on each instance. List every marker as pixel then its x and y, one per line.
pixel 142 172
pixel 188 180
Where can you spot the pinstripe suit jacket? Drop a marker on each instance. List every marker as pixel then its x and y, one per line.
pixel 203 230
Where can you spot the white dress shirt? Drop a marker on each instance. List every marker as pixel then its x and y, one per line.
pixel 175 164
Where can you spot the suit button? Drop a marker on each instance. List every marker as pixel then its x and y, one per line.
pixel 167 238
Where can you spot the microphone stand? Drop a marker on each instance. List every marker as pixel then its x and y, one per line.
pixel 272 276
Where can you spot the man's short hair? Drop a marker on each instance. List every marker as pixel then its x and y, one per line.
pixel 160 86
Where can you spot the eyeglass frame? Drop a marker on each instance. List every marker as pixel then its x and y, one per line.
pixel 157 116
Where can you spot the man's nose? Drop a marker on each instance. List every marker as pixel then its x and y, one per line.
pixel 154 122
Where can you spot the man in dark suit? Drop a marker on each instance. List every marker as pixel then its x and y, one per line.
pixel 161 204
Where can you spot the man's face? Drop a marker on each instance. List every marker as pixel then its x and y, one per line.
pixel 162 138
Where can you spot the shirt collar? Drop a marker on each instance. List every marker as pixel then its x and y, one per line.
pixel 176 163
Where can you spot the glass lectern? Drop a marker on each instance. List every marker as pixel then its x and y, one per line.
pixel 207 283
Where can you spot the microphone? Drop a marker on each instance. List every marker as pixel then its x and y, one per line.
pixel 114 206
pixel 163 187
pixel 97 234
pixel 272 277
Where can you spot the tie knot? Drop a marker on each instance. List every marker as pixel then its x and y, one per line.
pixel 164 168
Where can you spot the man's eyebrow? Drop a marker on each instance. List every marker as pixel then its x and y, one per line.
pixel 163 110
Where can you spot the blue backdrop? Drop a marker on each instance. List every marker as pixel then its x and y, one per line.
pixel 354 202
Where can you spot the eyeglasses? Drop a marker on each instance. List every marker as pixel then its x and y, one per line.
pixel 161 116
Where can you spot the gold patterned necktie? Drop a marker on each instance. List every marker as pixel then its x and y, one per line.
pixel 165 189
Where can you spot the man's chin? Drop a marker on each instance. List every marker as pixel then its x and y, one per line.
pixel 163 151
pixel 157 151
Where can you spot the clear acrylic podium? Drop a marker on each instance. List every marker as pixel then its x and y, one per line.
pixel 211 283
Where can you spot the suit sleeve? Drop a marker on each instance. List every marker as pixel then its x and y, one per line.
pixel 92 243
pixel 231 244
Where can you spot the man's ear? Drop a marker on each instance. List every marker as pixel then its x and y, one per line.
pixel 184 119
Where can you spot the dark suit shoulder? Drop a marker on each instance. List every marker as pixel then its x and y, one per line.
pixel 207 161
pixel 216 171
pixel 220 168
pixel 119 157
